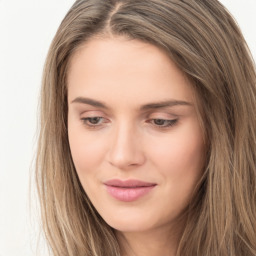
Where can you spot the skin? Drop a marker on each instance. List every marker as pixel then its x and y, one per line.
pixel 127 141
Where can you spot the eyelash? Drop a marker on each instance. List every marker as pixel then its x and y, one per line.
pixel 166 122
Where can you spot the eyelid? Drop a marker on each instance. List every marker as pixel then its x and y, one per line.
pixel 92 113
pixel 161 115
pixel 167 118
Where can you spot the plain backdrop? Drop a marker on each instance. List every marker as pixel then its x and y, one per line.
pixel 26 30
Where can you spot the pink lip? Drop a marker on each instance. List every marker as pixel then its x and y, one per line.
pixel 128 190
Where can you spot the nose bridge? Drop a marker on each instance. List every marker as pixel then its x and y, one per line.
pixel 125 147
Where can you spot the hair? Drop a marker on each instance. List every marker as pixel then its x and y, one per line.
pixel 204 41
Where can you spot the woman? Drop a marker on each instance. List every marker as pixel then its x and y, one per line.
pixel 147 142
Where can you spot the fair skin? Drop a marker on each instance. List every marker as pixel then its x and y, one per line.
pixel 132 116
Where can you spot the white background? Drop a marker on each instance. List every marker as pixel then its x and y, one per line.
pixel 26 30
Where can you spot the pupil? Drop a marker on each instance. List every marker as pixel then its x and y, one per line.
pixel 95 120
pixel 159 121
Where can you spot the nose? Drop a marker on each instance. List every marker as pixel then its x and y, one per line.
pixel 126 149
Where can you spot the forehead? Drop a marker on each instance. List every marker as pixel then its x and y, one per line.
pixel 127 70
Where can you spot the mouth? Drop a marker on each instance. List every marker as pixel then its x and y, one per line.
pixel 128 190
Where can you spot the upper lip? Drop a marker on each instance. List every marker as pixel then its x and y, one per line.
pixel 128 183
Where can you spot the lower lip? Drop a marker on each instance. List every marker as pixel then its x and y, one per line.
pixel 128 194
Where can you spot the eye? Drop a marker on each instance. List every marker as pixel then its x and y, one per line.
pixel 163 123
pixel 93 121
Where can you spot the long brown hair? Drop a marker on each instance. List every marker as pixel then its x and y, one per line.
pixel 202 38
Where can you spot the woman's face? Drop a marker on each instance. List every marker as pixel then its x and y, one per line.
pixel 134 133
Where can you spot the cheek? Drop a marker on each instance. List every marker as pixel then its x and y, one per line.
pixel 87 151
pixel 188 154
pixel 181 155
pixel 180 162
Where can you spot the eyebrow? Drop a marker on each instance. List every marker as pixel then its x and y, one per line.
pixel 89 101
pixel 155 105
pixel 164 104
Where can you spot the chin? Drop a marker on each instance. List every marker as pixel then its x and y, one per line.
pixel 131 222
pixel 129 226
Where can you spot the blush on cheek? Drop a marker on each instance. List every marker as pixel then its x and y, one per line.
pixel 86 150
